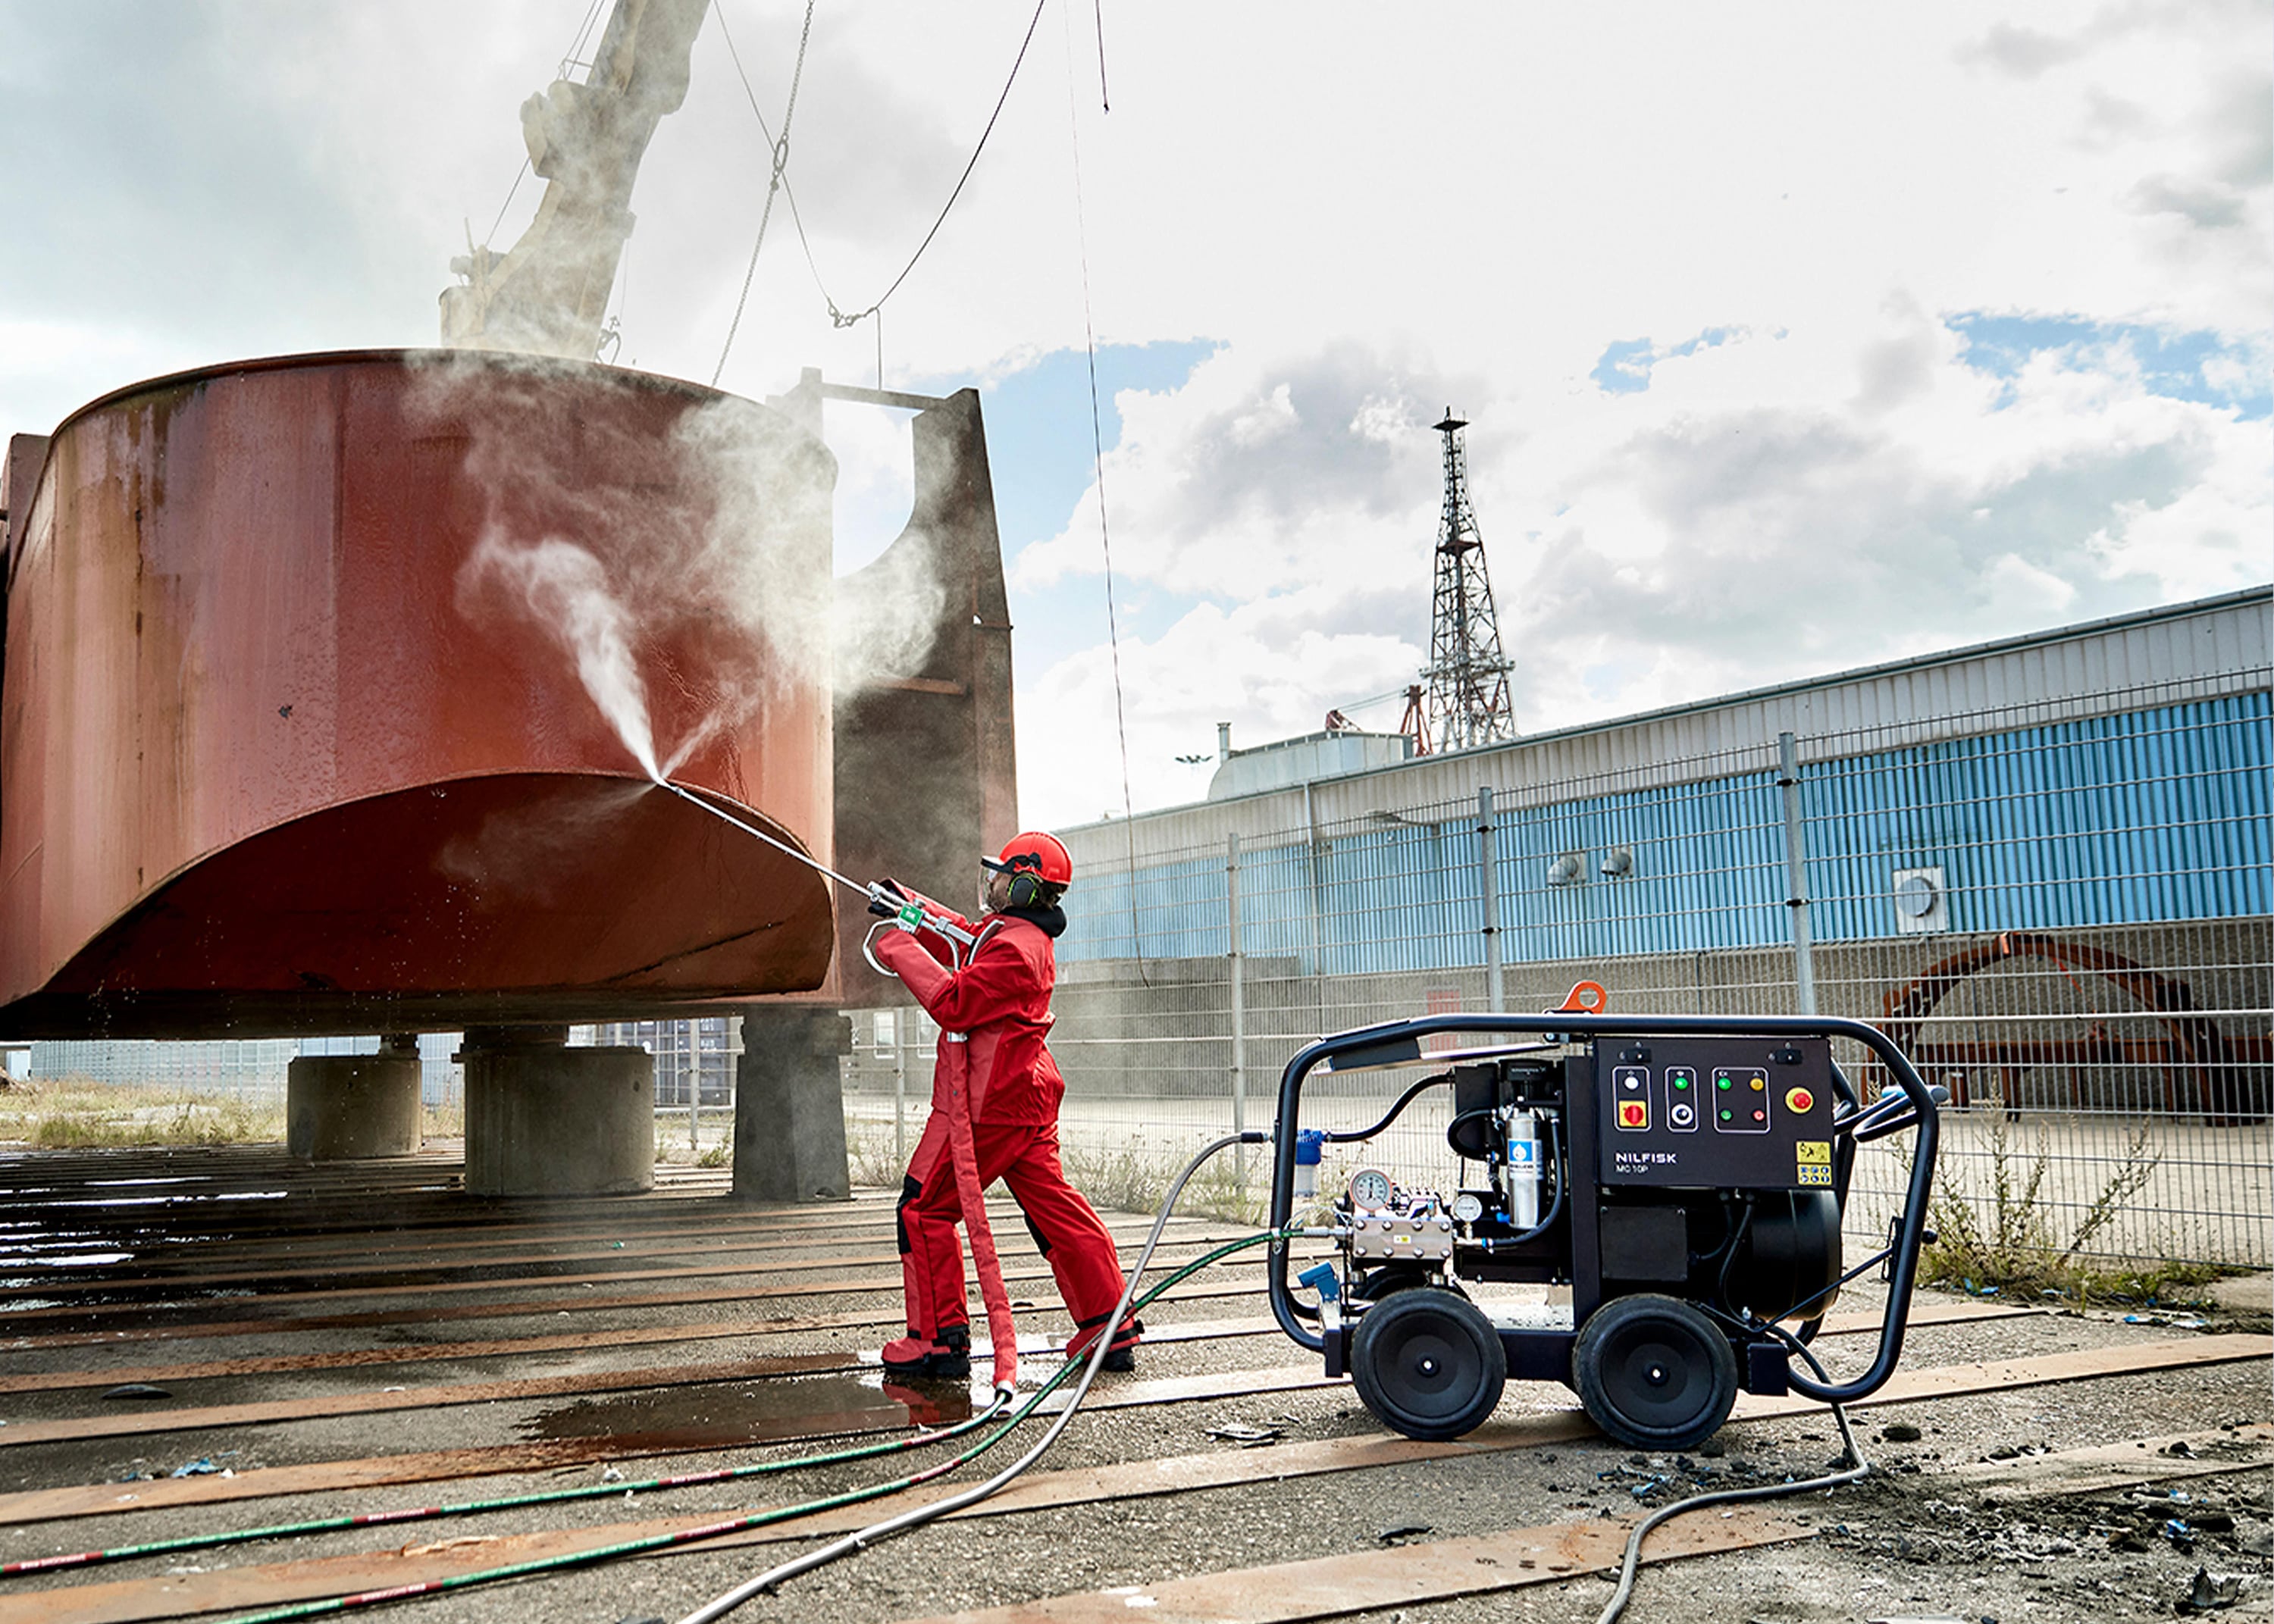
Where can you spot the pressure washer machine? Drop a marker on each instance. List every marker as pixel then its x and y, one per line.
pixel 1684 1176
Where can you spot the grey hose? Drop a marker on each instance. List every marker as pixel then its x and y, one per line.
pixel 1770 1491
pixel 719 1607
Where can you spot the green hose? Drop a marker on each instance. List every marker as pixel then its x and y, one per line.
pixel 509 1502
pixel 731 1525
pixel 506 1502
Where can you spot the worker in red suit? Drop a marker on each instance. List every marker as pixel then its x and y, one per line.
pixel 1000 1001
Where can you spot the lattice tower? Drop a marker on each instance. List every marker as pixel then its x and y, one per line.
pixel 1467 702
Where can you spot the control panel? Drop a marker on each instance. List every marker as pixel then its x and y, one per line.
pixel 1709 1112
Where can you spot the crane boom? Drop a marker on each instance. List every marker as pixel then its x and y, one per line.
pixel 547 295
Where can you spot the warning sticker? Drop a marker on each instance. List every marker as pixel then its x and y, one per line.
pixel 1815 1153
pixel 1809 1173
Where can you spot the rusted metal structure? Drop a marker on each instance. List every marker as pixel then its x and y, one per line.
pixel 2190 1053
pixel 281 752
pixel 926 754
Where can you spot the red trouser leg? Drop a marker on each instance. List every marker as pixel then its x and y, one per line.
pixel 931 1258
pixel 1073 1238
pixel 1025 1156
pixel 932 1254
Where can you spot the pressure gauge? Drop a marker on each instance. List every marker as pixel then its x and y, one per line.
pixel 1370 1189
pixel 1468 1206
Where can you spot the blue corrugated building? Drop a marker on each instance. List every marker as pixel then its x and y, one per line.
pixel 2114 774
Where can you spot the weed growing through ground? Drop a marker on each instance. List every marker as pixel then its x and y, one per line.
pixel 1996 1230
pixel 78 1114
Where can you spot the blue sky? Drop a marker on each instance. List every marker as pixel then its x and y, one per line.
pixel 1039 441
pixel 2200 366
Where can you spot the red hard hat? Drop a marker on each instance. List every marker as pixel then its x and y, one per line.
pixel 1035 853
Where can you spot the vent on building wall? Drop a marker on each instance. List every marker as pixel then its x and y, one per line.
pixel 1921 901
pixel 1568 870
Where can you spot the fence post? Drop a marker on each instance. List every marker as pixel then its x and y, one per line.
pixel 1312 886
pixel 1495 1004
pixel 694 1031
pixel 1239 1010
pixel 900 1033
pixel 1804 962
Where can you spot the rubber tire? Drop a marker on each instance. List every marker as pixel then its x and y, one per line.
pixel 1428 1363
pixel 1647 1340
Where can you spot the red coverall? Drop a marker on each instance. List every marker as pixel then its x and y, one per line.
pixel 1001 1001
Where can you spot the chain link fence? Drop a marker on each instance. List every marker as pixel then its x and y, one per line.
pixel 2065 918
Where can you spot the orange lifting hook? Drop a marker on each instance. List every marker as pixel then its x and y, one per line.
pixel 1584 998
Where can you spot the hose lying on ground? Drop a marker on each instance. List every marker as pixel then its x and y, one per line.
pixel 720 1606
pixel 505 1502
pixel 1723 1497
pixel 779 1514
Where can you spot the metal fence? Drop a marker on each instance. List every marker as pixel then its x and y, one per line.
pixel 2064 917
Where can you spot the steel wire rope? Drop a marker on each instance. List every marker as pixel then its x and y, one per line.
pixel 773 184
pixel 1104 100
pixel 836 316
pixel 536 1567
pixel 1104 532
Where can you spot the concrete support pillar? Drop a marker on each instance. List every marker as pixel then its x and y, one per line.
pixel 545 1119
pixel 789 1106
pixel 344 1107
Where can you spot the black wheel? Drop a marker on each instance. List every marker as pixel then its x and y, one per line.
pixel 1654 1373
pixel 1428 1363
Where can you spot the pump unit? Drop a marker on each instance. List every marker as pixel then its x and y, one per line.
pixel 1684 1177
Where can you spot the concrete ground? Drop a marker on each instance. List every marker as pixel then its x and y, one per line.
pixel 420 1320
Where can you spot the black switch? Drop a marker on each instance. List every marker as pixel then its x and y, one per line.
pixel 1637 1056
pixel 1789 1054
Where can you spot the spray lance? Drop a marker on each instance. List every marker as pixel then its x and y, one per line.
pixel 900 910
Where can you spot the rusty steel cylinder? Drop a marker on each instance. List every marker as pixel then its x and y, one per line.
pixel 324 679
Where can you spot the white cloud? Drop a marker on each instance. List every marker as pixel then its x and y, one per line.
pixel 1379 212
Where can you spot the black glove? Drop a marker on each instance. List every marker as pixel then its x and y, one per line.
pixel 878 905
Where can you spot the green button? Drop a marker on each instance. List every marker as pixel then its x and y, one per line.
pixel 1680 1082
pixel 1727 1116
pixel 1721 1081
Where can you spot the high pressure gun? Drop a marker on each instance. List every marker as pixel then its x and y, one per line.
pixel 900 910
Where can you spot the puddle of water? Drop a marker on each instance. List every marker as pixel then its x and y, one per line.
pixel 720 1415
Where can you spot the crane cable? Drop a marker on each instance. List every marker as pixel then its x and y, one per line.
pixel 838 317
pixel 568 60
pixel 1097 464
pixel 774 184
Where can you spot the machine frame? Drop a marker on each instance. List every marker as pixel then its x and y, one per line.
pixel 1763 1357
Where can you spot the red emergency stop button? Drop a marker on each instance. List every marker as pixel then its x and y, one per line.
pixel 1633 1114
pixel 1798 1099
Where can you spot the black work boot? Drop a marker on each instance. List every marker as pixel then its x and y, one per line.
pixel 946 1353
